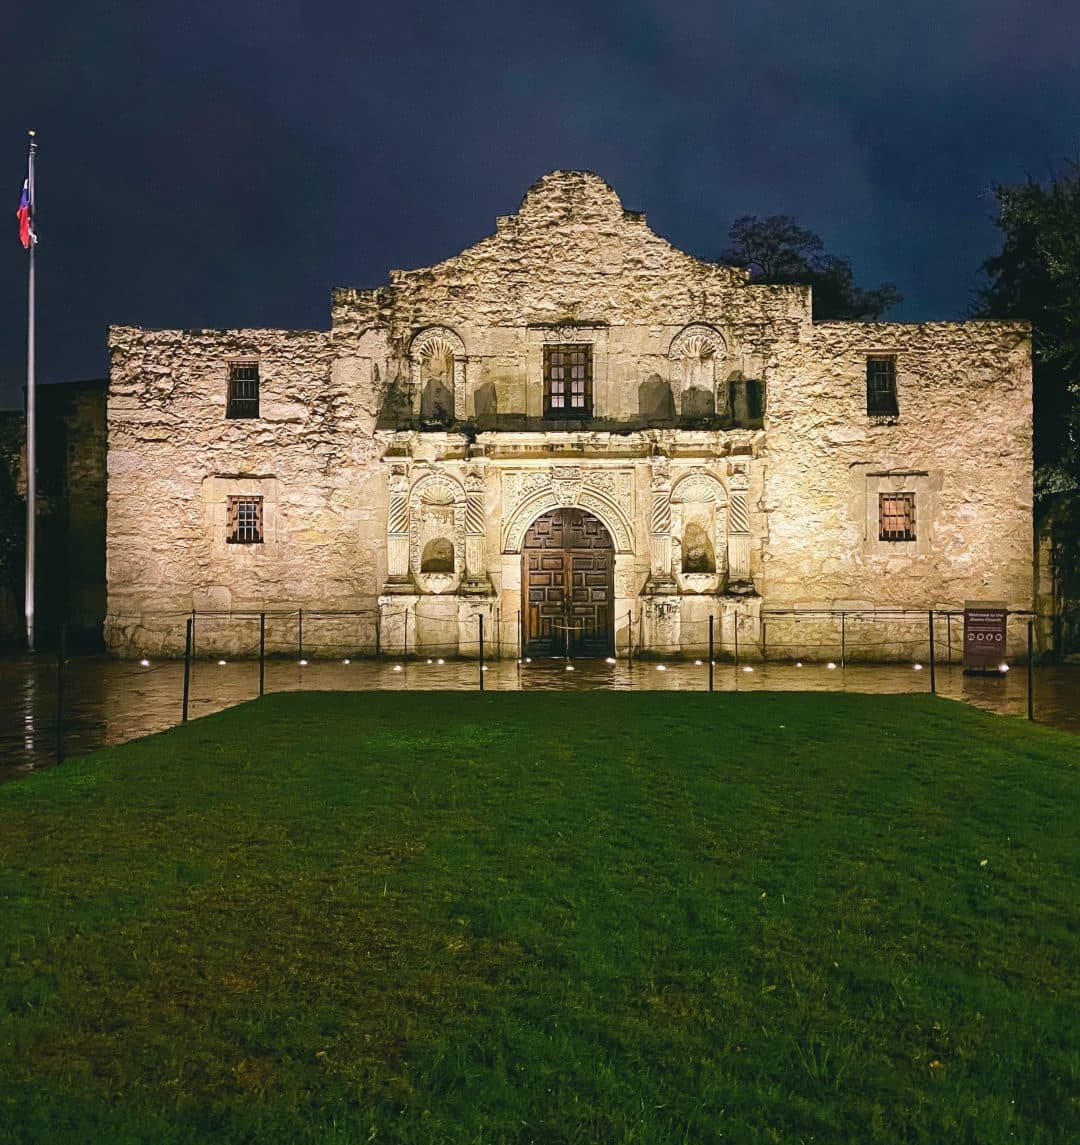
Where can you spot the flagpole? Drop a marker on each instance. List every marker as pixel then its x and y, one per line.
pixel 31 450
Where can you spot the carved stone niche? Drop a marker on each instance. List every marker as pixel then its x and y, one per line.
pixel 697 356
pixel 698 528
pixel 437 533
pixel 437 376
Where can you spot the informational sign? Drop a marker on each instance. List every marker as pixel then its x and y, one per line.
pixel 985 624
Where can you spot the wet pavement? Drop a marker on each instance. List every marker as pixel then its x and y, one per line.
pixel 108 701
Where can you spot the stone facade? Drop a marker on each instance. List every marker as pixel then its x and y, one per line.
pixel 405 463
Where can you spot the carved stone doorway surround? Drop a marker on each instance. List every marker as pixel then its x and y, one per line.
pixel 604 492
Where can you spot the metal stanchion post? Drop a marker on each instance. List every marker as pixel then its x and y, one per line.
pixel 300 635
pixel 843 638
pixel 1031 670
pixel 188 641
pixel 933 677
pixel 736 638
pixel 948 635
pixel 60 695
pixel 710 653
pixel 480 618
pixel 262 653
pixel 521 643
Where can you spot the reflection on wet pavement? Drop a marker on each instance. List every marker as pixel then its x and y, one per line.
pixel 108 701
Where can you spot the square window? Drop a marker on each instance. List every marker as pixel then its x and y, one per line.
pixel 896 516
pixel 881 386
pixel 244 521
pixel 243 390
pixel 568 380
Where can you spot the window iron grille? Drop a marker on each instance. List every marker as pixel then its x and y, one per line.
pixel 896 516
pixel 245 521
pixel 881 398
pixel 243 390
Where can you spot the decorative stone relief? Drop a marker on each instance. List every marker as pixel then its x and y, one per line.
pixel 606 493
pixel 660 524
pixel 437 508
pixel 739 525
pixel 697 503
pixel 397 526
pixel 695 353
pixel 431 342
pixel 475 484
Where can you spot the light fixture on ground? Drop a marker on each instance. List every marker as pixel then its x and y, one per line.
pixel 346 661
pixel 440 661
pixel 747 668
pixel 661 667
pixel 830 664
pixel 798 663
pixel 569 667
pixel 221 663
pixel 145 663
pixel 397 668
pixel 609 660
pixel 917 667
pixel 303 663
pixel 1003 667
pixel 697 663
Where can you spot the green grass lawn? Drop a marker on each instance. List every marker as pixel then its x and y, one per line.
pixel 549 917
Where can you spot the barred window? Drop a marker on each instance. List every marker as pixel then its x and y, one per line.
pixel 881 386
pixel 896 516
pixel 244 521
pixel 243 390
pixel 568 380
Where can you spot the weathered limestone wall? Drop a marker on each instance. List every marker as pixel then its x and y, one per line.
pixel 962 443
pixel 174 458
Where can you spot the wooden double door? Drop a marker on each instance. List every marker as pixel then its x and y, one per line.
pixel 568 586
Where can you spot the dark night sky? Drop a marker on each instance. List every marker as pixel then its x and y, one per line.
pixel 219 164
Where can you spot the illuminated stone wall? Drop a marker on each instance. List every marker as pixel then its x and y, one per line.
pixel 416 425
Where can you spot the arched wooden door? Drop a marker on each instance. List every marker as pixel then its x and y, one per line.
pixel 568 586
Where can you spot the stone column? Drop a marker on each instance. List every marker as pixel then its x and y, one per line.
pixel 476 576
pixel 459 388
pixel 660 578
pixel 739 527
pixel 397 531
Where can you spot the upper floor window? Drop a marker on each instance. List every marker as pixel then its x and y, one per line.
pixel 244 521
pixel 881 386
pixel 243 390
pixel 896 516
pixel 568 380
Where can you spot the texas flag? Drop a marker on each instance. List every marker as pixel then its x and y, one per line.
pixel 26 230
